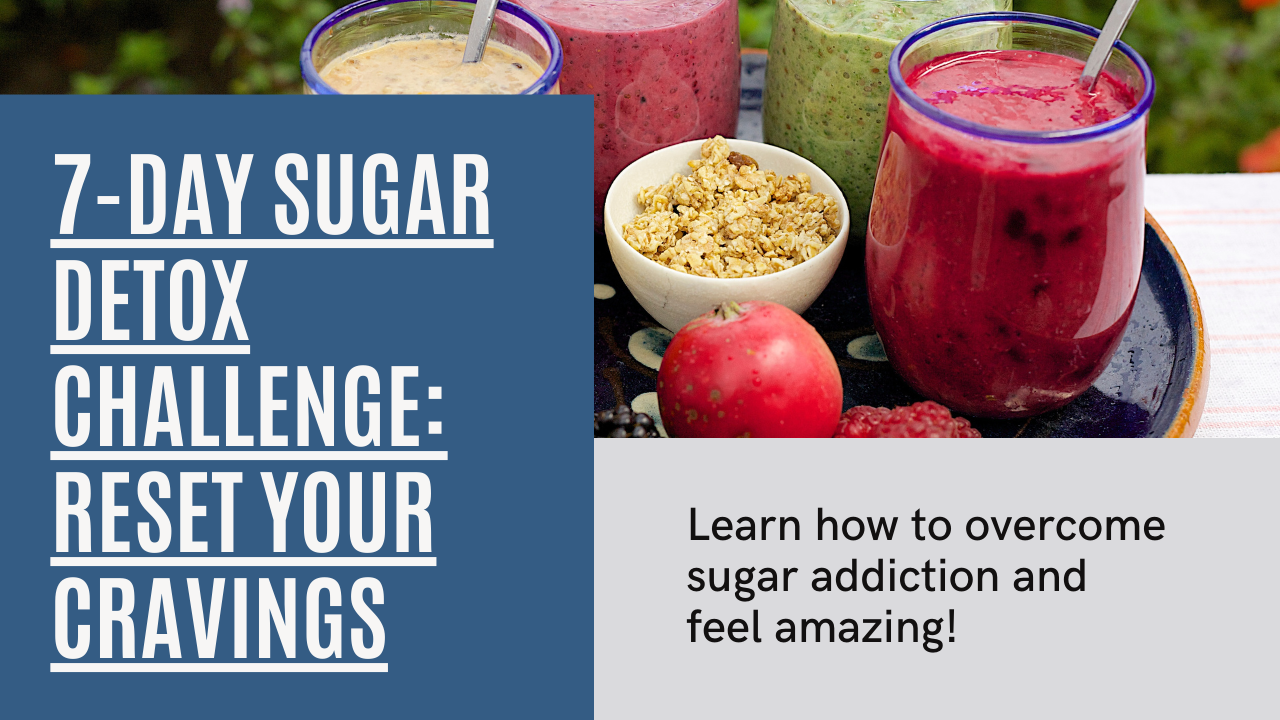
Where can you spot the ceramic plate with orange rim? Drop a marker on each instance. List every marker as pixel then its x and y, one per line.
pixel 1189 378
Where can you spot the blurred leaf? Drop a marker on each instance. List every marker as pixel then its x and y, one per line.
pixel 318 9
pixel 86 84
pixel 142 54
pixel 237 18
pixel 257 78
pixel 755 22
pixel 264 43
pixel 226 45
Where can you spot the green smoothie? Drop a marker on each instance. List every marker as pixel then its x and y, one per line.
pixel 827 82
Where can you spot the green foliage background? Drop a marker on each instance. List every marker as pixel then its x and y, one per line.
pixel 1217 66
pixel 1217 70
pixel 155 46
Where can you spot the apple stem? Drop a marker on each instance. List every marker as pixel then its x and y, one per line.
pixel 728 310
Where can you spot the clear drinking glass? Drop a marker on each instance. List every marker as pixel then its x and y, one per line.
pixel 828 82
pixel 367 21
pixel 1002 264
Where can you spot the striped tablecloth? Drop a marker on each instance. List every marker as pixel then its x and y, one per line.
pixel 1227 229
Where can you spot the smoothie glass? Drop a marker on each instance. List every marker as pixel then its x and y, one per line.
pixel 1002 264
pixel 828 81
pixel 662 71
pixel 368 21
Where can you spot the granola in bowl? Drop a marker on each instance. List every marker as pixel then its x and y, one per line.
pixel 730 219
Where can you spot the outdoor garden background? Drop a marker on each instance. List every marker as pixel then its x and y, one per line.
pixel 1217 62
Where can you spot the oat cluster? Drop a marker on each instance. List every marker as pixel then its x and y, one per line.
pixel 729 219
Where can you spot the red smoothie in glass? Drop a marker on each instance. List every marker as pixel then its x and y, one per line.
pixel 662 71
pixel 1002 273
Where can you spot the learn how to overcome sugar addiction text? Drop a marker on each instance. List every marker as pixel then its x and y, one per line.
pixel 867 579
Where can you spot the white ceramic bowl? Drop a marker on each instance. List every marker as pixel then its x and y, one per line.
pixel 674 298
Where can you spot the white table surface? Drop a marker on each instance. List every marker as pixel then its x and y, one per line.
pixel 1227 229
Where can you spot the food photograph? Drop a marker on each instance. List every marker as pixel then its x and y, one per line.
pixel 933 220
pixel 837 218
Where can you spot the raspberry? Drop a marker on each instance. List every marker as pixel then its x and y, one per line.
pixel 923 420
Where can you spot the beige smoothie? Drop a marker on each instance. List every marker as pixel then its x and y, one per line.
pixel 429 64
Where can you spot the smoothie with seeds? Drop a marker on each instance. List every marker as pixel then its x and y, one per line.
pixel 827 82
pixel 662 72
pixel 1001 274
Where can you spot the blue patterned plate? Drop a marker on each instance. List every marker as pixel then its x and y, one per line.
pixel 1154 386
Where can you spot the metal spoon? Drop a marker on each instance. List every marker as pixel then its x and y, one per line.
pixel 478 35
pixel 1116 21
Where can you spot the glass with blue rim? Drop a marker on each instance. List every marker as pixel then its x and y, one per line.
pixel 1002 263
pixel 368 21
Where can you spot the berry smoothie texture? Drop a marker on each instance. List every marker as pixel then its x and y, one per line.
pixel 662 71
pixel 828 82
pixel 1002 274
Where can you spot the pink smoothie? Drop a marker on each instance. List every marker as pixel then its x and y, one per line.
pixel 1002 274
pixel 662 71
